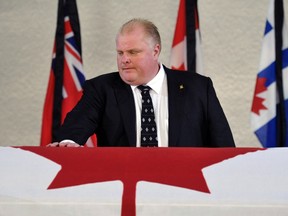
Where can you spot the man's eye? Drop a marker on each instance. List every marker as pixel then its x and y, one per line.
pixel 134 52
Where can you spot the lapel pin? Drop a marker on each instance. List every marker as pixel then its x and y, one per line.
pixel 181 87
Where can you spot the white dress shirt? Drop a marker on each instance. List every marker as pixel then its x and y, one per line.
pixel 159 95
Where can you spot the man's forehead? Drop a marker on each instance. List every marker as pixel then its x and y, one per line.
pixel 128 46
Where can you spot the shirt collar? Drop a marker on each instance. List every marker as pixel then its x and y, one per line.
pixel 156 83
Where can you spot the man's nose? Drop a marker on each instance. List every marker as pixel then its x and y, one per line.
pixel 126 59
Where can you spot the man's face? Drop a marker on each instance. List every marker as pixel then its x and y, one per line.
pixel 137 57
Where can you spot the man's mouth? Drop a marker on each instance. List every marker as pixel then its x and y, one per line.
pixel 127 68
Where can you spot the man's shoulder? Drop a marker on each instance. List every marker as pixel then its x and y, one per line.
pixel 104 81
pixel 107 76
pixel 185 75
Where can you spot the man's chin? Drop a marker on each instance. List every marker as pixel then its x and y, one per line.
pixel 130 80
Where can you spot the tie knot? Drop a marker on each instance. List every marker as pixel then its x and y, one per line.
pixel 144 89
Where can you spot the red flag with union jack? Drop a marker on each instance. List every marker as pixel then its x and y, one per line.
pixel 66 75
pixel 186 51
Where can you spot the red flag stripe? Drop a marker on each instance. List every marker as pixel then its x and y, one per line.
pixel 180 30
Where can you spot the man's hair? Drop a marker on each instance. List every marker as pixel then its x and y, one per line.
pixel 150 28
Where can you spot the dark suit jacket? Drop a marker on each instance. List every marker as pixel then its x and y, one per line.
pixel 107 108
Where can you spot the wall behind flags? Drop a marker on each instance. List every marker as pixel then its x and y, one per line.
pixel 231 34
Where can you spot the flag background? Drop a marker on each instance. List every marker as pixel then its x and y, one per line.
pixel 231 31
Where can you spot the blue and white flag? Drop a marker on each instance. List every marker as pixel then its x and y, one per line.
pixel 270 102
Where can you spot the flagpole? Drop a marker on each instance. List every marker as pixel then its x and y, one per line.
pixel 281 116
pixel 190 34
pixel 58 69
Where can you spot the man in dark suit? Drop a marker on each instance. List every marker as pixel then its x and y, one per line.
pixel 187 111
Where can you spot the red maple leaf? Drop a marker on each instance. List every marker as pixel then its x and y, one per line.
pixel 180 167
pixel 257 104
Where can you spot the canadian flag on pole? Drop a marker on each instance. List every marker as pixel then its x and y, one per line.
pixel 186 51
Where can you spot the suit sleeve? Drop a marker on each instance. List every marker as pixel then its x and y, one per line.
pixel 84 118
pixel 220 134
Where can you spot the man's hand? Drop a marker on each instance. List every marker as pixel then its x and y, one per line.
pixel 63 144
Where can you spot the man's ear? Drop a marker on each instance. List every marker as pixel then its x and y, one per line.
pixel 157 49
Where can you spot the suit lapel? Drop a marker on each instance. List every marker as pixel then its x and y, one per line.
pixel 126 104
pixel 176 100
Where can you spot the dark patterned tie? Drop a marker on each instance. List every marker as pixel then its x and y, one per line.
pixel 148 124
